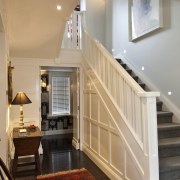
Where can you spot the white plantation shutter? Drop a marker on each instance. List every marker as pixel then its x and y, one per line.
pixel 60 95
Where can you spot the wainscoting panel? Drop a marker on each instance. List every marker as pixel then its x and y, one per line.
pixel 86 132
pixel 94 107
pixel 101 138
pixel 94 137
pixel 103 142
pixel 104 116
pixel 131 171
pixel 86 105
pixel 117 153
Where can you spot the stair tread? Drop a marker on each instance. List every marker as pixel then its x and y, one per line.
pixel 159 105
pixel 166 164
pixel 123 64
pixel 164 113
pixel 134 76
pixel 169 163
pixel 141 83
pixel 128 69
pixel 119 61
pixel 173 141
pixel 159 102
pixel 168 126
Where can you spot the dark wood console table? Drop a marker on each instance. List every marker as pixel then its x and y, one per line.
pixel 27 144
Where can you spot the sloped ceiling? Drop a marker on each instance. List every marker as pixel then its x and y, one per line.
pixel 36 27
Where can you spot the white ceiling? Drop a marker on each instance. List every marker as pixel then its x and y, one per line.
pixel 36 28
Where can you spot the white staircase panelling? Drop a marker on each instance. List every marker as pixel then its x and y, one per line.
pixel 117 107
pixel 104 143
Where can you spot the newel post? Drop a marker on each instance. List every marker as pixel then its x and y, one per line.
pixel 150 138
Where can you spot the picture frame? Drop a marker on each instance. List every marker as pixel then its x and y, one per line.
pixel 145 16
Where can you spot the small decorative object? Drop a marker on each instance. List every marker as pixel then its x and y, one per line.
pixel 44 125
pixel 44 82
pixel 43 122
pixel 52 124
pixel 22 132
pixel 44 97
pixel 44 109
pixel 65 124
pixel 145 16
pixel 20 99
pixel 10 89
pixel 32 128
pixel 60 124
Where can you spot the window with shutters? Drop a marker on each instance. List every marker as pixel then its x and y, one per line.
pixel 60 95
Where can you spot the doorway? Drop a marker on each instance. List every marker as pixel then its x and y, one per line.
pixel 60 102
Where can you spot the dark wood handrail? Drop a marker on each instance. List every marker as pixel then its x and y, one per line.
pixel 6 171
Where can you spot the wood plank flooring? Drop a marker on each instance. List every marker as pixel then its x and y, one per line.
pixel 59 155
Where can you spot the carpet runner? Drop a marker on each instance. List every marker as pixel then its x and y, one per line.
pixel 77 174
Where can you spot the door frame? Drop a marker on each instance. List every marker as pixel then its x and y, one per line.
pixel 80 121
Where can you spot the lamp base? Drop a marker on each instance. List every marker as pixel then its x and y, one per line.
pixel 21 125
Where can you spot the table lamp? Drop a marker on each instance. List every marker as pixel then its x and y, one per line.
pixel 20 99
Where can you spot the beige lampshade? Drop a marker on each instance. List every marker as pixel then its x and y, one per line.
pixel 20 99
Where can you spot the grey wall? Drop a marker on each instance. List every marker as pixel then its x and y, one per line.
pixel 108 26
pixel 158 52
pixel 95 19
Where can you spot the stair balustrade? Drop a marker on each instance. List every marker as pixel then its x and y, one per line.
pixel 72 32
pixel 136 106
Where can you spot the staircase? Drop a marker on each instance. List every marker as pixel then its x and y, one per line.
pixel 168 137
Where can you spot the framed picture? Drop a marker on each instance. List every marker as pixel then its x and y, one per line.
pixel 145 16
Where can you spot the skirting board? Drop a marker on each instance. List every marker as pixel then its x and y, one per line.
pixel 75 143
pixel 106 169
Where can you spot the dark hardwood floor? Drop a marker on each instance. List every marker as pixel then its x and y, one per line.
pixel 59 155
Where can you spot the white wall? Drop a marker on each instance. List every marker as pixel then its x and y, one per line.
pixel 3 97
pixel 4 109
pixel 95 19
pixel 26 77
pixel 157 52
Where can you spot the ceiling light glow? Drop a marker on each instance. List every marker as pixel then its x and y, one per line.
pixel 169 93
pixel 142 68
pixel 58 7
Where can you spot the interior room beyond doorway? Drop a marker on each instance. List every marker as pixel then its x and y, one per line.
pixel 59 100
